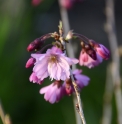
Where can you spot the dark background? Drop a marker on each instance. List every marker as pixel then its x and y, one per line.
pixel 21 23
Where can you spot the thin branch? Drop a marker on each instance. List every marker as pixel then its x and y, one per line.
pixel 107 106
pixel 4 117
pixel 110 29
pixel 70 52
pixel 80 111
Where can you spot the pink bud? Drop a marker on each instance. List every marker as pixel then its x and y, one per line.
pixel 102 51
pixel 36 44
pixel 30 62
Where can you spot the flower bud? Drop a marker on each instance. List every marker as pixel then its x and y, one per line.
pixel 30 62
pixel 102 51
pixel 36 44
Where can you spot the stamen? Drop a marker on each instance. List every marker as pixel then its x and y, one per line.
pixel 53 59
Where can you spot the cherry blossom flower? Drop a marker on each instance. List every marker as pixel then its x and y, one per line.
pixel 54 92
pixel 53 63
pixel 33 78
pixel 80 79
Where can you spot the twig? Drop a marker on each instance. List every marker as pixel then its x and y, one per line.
pixel 107 106
pixel 70 52
pixel 4 117
pixel 80 111
pixel 110 29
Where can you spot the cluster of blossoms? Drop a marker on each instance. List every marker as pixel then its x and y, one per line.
pixel 55 64
pixel 64 3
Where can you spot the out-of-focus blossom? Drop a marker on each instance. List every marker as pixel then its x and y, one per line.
pixel 30 62
pixel 86 60
pixel 53 63
pixel 54 92
pixel 36 2
pixel 67 3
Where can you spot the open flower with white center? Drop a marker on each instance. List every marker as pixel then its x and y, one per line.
pixel 53 63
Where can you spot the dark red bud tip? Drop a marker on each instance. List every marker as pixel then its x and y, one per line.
pixel 36 44
pixel 31 47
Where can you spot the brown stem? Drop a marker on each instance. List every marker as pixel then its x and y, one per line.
pixel 110 29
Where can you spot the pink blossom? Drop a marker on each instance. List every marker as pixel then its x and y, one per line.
pixel 30 62
pixel 102 51
pixel 53 63
pixel 80 79
pixel 54 92
pixel 86 60
pixel 33 78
